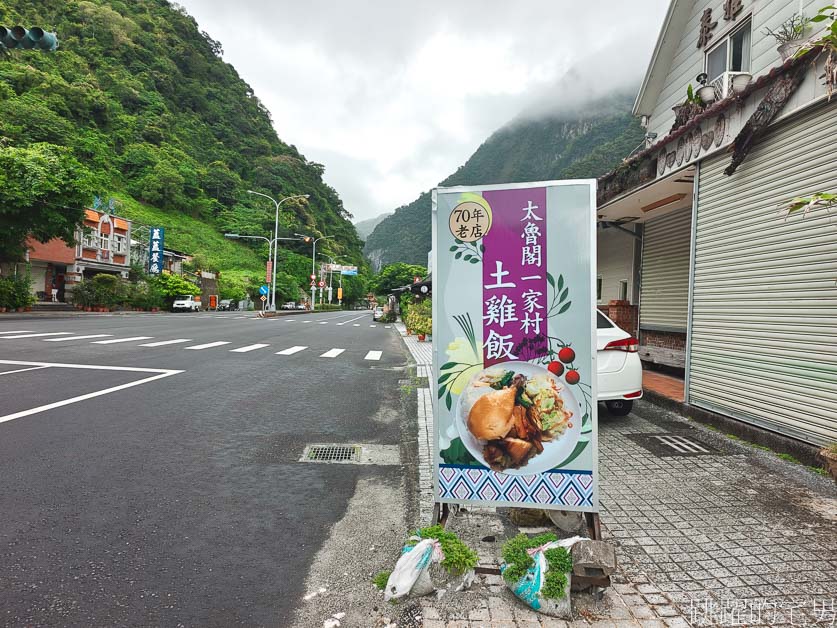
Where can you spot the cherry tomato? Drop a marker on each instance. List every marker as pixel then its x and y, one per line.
pixel 572 377
pixel 555 367
pixel 566 355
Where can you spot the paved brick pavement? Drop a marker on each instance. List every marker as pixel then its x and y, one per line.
pixel 732 536
pixel 665 385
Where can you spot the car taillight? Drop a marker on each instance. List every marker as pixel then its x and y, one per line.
pixel 628 345
pixel 633 395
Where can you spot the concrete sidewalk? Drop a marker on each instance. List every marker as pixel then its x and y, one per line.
pixel 709 531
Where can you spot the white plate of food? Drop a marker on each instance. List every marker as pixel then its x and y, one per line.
pixel 518 418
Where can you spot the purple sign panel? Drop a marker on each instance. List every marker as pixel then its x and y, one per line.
pixel 514 277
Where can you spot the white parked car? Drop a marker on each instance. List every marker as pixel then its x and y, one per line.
pixel 619 368
pixel 186 303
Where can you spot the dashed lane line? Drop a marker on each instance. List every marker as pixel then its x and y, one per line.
pixel 115 340
pixel 248 348
pixel 166 342
pixel 87 337
pixel 373 355
pixel 291 350
pixel 208 345
pixel 51 333
pixel 353 319
pixel 332 353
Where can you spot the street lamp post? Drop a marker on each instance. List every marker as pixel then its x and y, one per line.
pixel 275 238
pixel 313 264
pixel 271 246
pixel 330 273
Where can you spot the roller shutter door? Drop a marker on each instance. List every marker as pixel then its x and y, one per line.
pixel 764 321
pixel 664 297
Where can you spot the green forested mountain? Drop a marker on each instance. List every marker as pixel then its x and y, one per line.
pixel 140 102
pixel 581 143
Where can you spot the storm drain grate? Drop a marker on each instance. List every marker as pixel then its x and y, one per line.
pixel 668 444
pixel 332 453
pixel 681 444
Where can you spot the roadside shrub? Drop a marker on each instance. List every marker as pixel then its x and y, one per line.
pixel 15 292
pixel 106 289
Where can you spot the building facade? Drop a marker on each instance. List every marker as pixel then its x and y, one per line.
pixel 101 247
pixel 732 290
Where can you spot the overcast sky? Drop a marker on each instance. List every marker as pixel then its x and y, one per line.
pixel 393 96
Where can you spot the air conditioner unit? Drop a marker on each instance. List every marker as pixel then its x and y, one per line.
pixel 730 83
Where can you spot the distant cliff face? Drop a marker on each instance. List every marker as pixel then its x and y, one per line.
pixel 365 227
pixel 579 144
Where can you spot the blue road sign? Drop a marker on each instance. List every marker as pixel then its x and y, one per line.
pixel 264 290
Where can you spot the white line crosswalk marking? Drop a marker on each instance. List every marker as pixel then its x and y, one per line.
pixel 249 348
pixel 332 353
pixel 355 324
pixel 373 355
pixel 115 340
pixel 208 345
pixel 291 350
pixel 77 337
pixel 373 325
pixel 166 342
pixel 326 323
pixel 51 333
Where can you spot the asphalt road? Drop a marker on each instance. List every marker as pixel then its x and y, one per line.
pixel 172 494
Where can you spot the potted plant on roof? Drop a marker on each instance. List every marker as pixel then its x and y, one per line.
pixel 827 43
pixel 790 34
pixel 688 109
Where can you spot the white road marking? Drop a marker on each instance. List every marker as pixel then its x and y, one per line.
pixel 160 373
pixel 31 368
pixel 16 331
pixel 373 325
pixel 77 337
pixel 52 333
pixel 332 353
pixel 387 327
pixel 355 324
pixel 166 342
pixel 208 345
pixel 291 350
pixel 248 348
pixel 306 321
pixel 326 323
pixel 353 319
pixel 115 340
pixel 373 355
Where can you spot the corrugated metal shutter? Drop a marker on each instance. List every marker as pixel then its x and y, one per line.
pixel 664 298
pixel 764 320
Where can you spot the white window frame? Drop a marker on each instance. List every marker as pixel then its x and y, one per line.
pixel 119 242
pixel 104 242
pixel 624 283
pixel 745 22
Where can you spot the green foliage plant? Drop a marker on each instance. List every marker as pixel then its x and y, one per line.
pixel 827 44
pixel 171 286
pixel 380 579
pixel 459 558
pixel 15 291
pixel 518 562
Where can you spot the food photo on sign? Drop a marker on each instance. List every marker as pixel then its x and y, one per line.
pixel 514 345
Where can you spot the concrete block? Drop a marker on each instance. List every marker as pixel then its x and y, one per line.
pixel 593 558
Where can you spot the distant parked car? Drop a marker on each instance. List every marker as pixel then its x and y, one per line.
pixel 224 304
pixel 619 376
pixel 301 306
pixel 290 305
pixel 186 303
pixel 377 313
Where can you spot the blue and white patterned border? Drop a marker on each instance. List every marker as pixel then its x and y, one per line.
pixel 573 489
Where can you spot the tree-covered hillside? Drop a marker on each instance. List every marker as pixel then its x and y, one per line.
pixel 146 111
pixel 365 227
pixel 584 143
